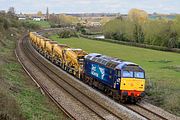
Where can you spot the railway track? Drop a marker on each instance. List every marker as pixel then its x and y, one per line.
pixel 90 103
pixel 148 114
pixel 99 110
pixel 43 89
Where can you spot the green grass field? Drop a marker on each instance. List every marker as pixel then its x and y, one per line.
pixel 43 24
pixel 162 68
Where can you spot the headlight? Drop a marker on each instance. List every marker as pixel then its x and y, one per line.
pixel 118 80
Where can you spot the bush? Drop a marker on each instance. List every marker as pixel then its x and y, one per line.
pixel 7 21
pixel 4 23
pixel 67 34
pixel 15 23
pixel 29 25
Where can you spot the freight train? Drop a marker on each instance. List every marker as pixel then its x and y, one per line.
pixel 123 81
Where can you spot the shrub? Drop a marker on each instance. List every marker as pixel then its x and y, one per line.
pixel 67 34
pixel 29 25
pixel 5 23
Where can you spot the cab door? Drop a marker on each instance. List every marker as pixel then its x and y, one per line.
pixel 117 79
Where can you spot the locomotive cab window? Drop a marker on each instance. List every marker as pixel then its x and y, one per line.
pixel 127 74
pixel 139 75
pixel 118 72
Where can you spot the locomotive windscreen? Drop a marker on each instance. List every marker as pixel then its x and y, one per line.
pixel 133 72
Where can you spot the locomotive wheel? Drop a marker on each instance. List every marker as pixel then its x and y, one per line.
pixel 90 83
pixel 123 100
pixel 77 74
pixel 110 93
pixel 101 87
pixel 64 67
pixel 115 95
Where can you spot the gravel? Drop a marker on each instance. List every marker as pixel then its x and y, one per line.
pixel 159 111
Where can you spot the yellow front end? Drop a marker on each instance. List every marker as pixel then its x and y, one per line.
pixel 134 84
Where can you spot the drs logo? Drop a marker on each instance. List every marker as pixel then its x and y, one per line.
pixel 97 71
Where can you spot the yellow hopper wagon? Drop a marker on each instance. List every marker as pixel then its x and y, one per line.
pixel 43 42
pixel 74 59
pixel 49 47
pixel 33 36
pixel 38 42
pixel 58 57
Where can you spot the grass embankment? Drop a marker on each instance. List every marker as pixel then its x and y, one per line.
pixel 162 68
pixel 20 99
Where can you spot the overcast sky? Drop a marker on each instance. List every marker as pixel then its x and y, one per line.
pixel 95 6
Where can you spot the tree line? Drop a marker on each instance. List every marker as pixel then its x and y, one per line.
pixel 138 28
pixel 62 20
pixel 9 20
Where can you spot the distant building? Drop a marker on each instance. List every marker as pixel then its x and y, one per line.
pixel 100 37
pixel 37 18
pixel 94 24
pixel 21 18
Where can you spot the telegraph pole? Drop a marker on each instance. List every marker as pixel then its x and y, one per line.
pixel 47 14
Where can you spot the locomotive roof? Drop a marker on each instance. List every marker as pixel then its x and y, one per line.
pixel 111 62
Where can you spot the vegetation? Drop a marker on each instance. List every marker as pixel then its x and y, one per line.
pixel 67 33
pixel 161 48
pixel 36 24
pixel 30 25
pixel 20 99
pixel 104 20
pixel 162 68
pixel 62 20
pixel 80 28
pixel 138 28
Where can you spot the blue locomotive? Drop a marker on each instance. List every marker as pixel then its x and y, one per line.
pixel 120 79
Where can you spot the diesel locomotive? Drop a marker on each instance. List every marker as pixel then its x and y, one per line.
pixel 123 81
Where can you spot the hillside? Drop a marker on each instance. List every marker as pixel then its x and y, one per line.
pixel 20 99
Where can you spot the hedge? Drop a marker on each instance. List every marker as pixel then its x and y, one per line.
pixel 134 44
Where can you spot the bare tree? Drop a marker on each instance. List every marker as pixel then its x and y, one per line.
pixel 11 11
pixel 47 14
